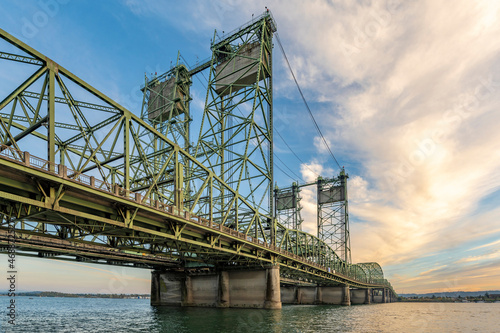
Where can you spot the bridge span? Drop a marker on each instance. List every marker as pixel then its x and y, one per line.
pixel 82 178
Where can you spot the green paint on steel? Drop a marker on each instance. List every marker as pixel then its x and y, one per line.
pixel 129 183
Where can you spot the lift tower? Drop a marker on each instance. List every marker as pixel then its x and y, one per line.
pixel 236 136
pixel 287 206
pixel 166 103
pixel 333 215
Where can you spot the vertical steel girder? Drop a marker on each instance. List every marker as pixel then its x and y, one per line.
pixel 235 138
pixel 287 207
pixel 166 104
pixel 333 214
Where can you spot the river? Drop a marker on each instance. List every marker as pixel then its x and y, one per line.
pixel 136 315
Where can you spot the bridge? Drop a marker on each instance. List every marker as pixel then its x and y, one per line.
pixel 83 178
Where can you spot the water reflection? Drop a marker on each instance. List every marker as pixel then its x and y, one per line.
pixel 175 319
pixel 132 315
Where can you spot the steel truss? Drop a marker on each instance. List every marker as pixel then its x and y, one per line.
pixel 235 139
pixel 166 104
pixel 333 214
pixel 80 175
pixel 101 143
pixel 287 207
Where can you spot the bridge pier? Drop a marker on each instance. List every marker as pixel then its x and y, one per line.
pixel 315 295
pixel 358 296
pixel 226 289
pixel 368 296
pixel 347 296
pixel 386 295
pixel 377 296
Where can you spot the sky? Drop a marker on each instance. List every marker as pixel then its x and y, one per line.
pixel 405 92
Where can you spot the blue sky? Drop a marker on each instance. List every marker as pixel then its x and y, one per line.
pixel 406 92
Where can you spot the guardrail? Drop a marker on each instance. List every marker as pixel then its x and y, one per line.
pixel 26 159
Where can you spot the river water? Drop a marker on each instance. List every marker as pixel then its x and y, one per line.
pixel 136 315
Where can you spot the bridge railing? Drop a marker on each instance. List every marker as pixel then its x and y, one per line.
pixel 105 146
pixel 295 244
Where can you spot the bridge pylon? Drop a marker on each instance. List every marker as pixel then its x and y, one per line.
pixel 333 214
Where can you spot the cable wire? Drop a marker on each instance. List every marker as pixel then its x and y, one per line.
pixel 280 169
pixel 300 160
pixel 286 166
pixel 304 100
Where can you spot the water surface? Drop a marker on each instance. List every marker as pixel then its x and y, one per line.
pixel 55 314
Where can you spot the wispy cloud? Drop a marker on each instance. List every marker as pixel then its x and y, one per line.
pixel 415 102
pixel 487 256
pixel 432 270
pixel 485 245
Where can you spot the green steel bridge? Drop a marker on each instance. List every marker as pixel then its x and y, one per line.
pixel 82 178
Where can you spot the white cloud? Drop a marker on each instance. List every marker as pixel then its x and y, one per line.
pixel 409 93
pixel 416 101
pixel 485 245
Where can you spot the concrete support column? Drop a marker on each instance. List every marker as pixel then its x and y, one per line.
pixel 377 296
pixel 384 299
pixel 357 296
pixel 319 295
pixel 187 292
pixel 223 290
pixel 368 299
pixel 234 288
pixel 155 288
pixel 273 294
pixel 168 288
pixel 346 297
pixel 298 295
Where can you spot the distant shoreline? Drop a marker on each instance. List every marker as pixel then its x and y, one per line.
pixel 79 295
pixel 445 301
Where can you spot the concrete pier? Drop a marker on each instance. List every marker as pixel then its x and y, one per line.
pixel 368 296
pixel 382 295
pixel 358 296
pixel 378 296
pixel 258 288
pixel 332 295
pixel 227 288
pixel 347 296
pixel 315 295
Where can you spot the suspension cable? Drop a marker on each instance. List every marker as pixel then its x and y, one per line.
pixel 305 102
pixel 286 166
pixel 300 160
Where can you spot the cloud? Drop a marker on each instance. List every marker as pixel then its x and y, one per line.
pixel 415 100
pixel 198 16
pixel 485 245
pixel 487 256
pixel 432 270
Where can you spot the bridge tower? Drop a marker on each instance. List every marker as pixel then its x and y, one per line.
pixel 287 206
pixel 333 214
pixel 166 104
pixel 236 135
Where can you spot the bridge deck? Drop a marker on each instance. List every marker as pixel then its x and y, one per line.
pixel 33 190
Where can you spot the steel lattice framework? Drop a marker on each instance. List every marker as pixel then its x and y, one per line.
pixel 97 140
pixel 83 177
pixel 333 214
pixel 166 104
pixel 235 139
pixel 287 206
